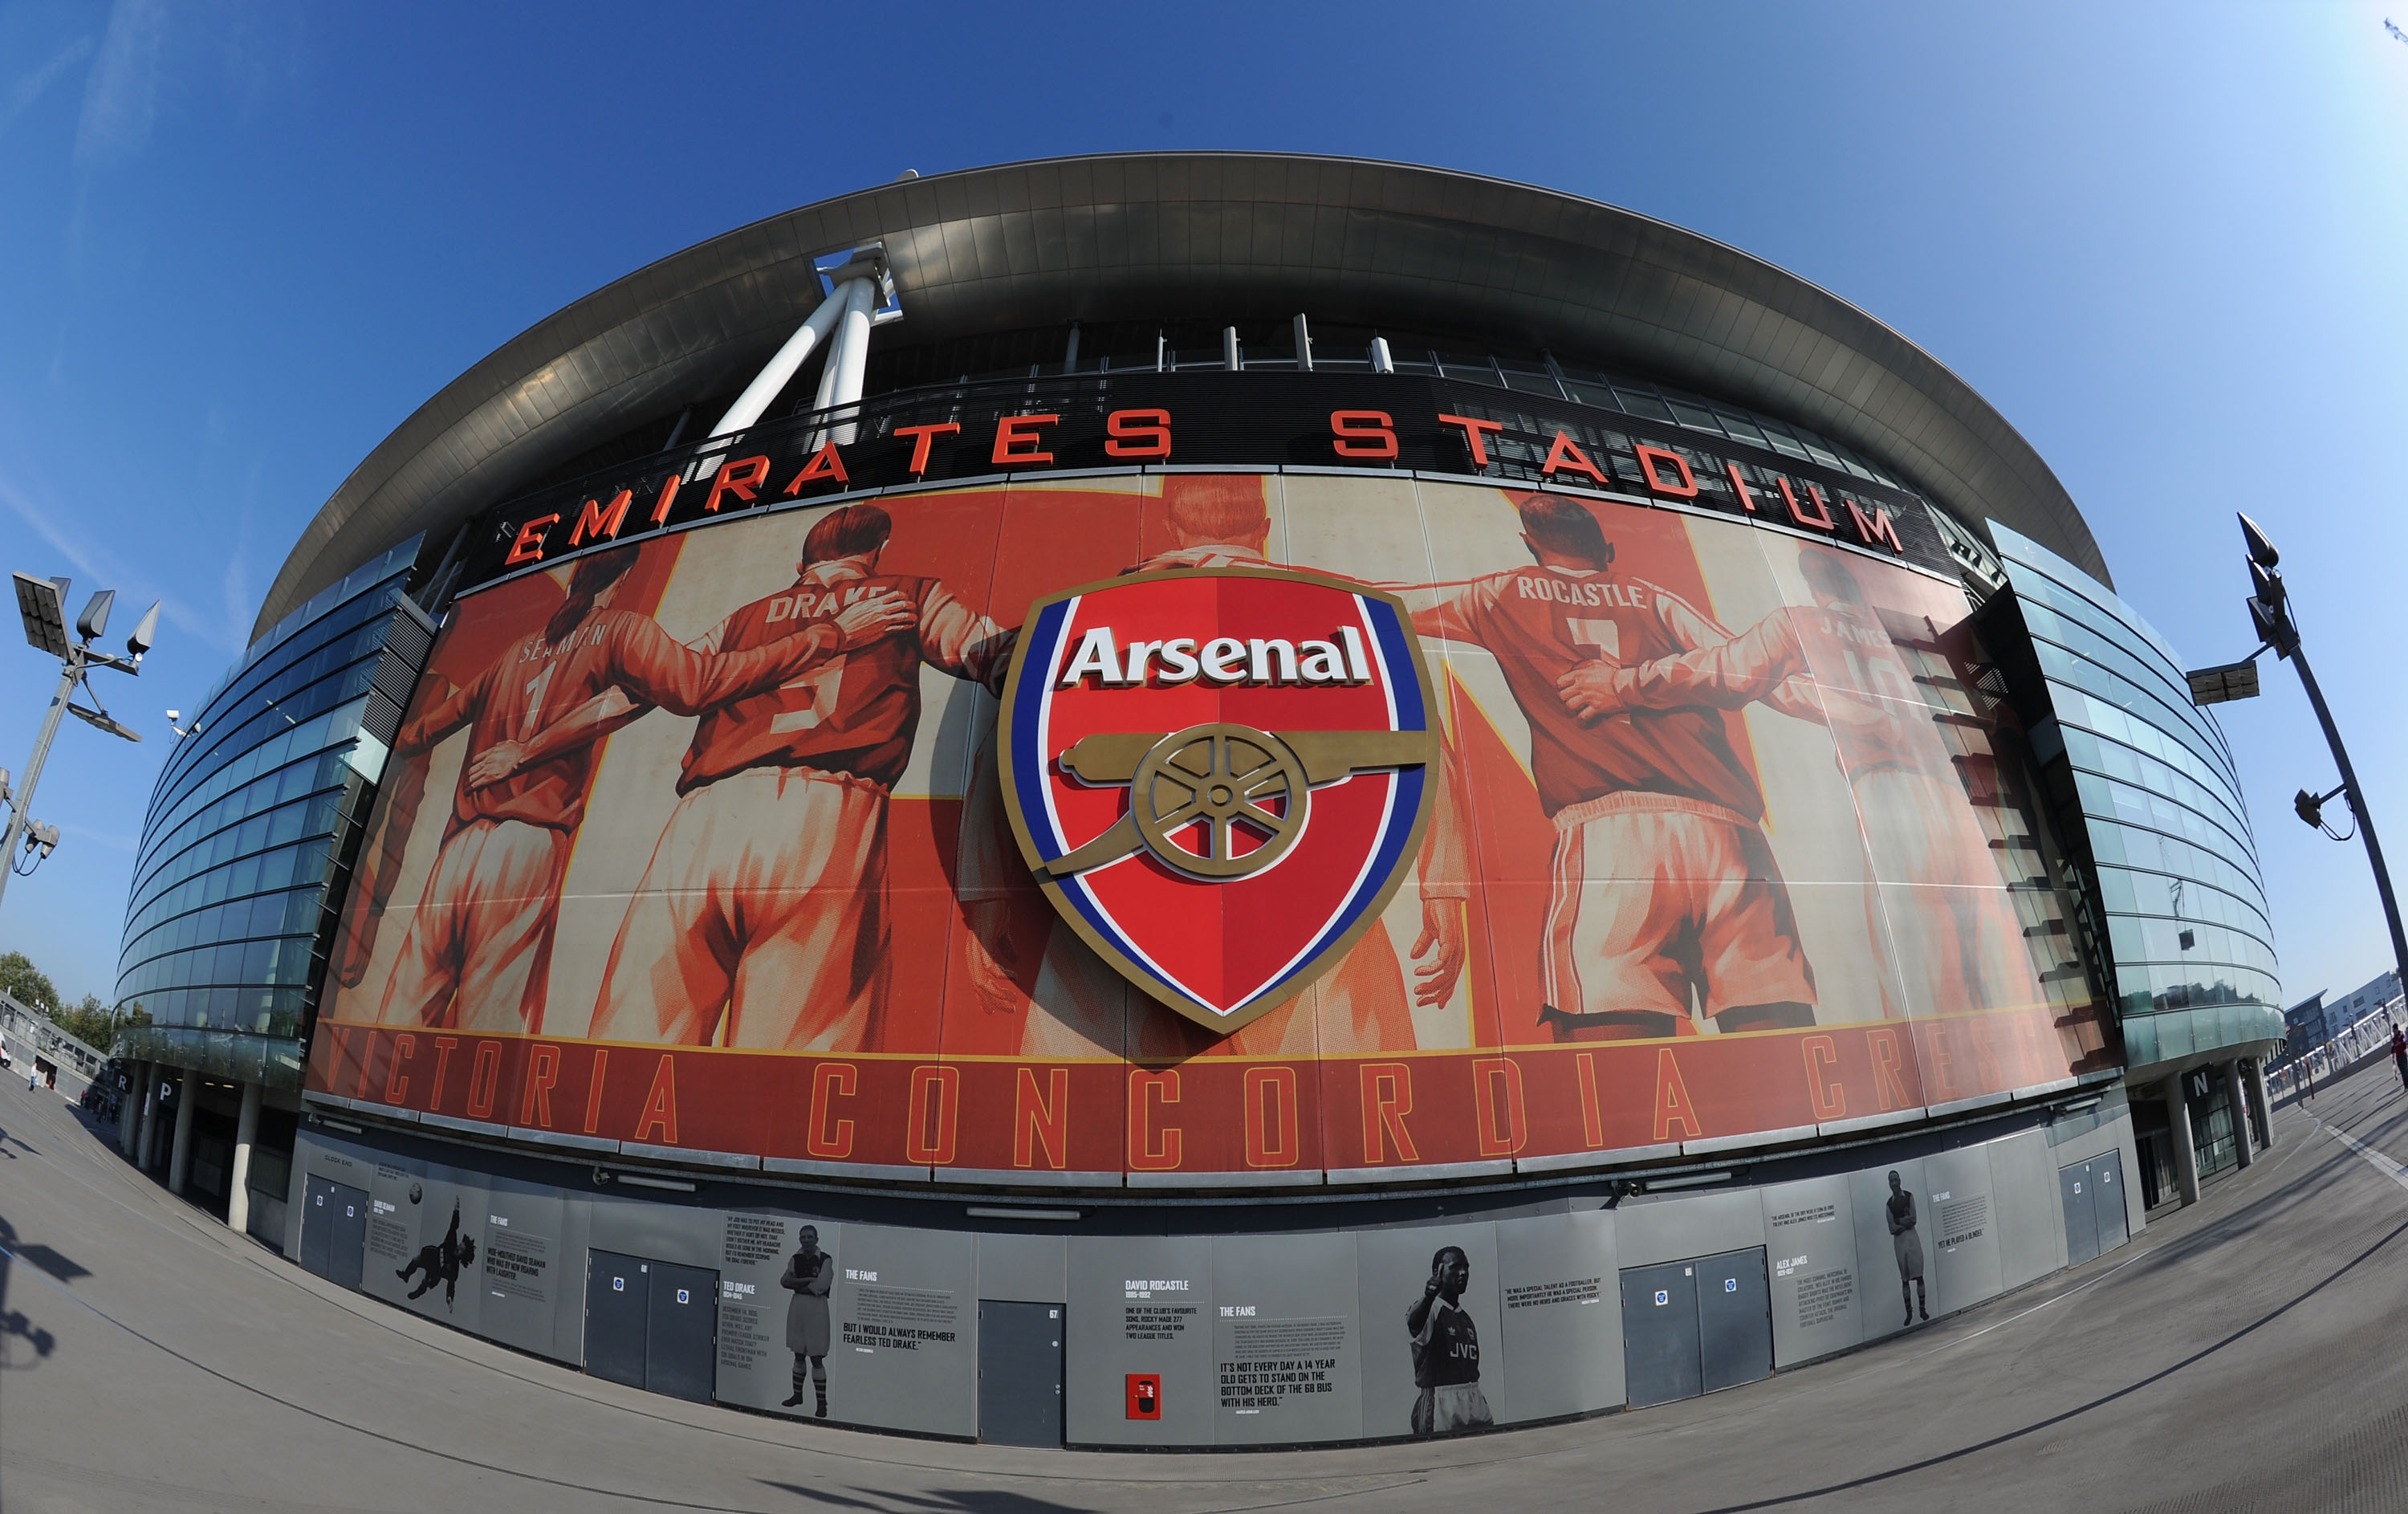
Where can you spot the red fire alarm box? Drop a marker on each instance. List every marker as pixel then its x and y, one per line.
pixel 1145 1395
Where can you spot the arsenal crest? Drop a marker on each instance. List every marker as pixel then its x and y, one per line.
pixel 1219 774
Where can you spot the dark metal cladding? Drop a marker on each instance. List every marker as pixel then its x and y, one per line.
pixel 1216 236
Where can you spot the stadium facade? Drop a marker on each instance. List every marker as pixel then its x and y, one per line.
pixel 1198 800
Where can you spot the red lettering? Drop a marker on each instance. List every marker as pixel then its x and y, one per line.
pixel 921 438
pixel 1830 1096
pixel 1146 1154
pixel 1138 433
pixel 528 548
pixel 1592 1116
pixel 660 1105
pixel 1876 529
pixel 1387 1099
pixel 936 1099
pixel 1271 1118
pixel 739 478
pixel 1821 521
pixel 534 1100
pixel 601 522
pixel 1474 435
pixel 1566 452
pixel 1649 456
pixel 826 463
pixel 1017 440
pixel 1888 1086
pixel 397 1082
pixel 1039 1120
pixel 368 1058
pixel 443 1044
pixel 1739 487
pixel 593 1090
pixel 1362 433
pixel 668 494
pixel 1672 1105
pixel 484 1079
pixel 1503 1130
pixel 830 1081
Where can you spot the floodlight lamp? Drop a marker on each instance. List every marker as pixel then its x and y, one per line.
pixel 94 618
pixel 2309 808
pixel 2267 585
pixel 42 603
pixel 146 633
pixel 2261 550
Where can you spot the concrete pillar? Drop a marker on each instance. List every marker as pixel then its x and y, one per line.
pixel 143 1139
pixel 2236 1099
pixel 246 1131
pixel 129 1113
pixel 2258 1100
pixel 179 1159
pixel 2178 1127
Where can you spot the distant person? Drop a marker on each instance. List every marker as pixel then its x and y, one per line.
pixel 1909 1244
pixel 1446 1352
pixel 810 1276
pixel 2399 1054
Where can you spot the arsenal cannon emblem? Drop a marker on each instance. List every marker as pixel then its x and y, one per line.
pixel 1218 774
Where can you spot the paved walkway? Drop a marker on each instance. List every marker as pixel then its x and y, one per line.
pixel 2244 1354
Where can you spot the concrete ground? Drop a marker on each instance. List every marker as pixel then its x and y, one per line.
pixel 2244 1354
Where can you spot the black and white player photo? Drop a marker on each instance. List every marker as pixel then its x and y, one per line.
pixel 1446 1352
pixel 439 1262
pixel 810 1274
pixel 1909 1244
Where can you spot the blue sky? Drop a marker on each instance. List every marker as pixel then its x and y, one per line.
pixel 240 243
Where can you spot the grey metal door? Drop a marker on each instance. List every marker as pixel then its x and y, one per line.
pixel 2107 1196
pixel 1734 1320
pixel 1019 1374
pixel 1660 1356
pixel 681 1339
pixel 618 1311
pixel 2076 1189
pixel 317 1226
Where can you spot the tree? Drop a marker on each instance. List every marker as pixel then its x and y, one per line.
pixel 89 1022
pixel 25 983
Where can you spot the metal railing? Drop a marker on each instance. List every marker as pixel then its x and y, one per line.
pixel 30 1032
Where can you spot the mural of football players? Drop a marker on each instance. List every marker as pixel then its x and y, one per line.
pixel 1961 946
pixel 478 951
pixel 1446 1352
pixel 761 921
pixel 1665 895
pixel 1362 1005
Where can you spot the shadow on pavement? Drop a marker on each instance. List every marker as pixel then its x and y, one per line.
pixel 977 1501
pixel 14 1326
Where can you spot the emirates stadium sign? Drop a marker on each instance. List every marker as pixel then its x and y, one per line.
pixel 1217 775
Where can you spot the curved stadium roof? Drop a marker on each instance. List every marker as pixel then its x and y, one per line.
pixel 1177 235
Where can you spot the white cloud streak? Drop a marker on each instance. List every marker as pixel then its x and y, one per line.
pixel 121 95
pixel 28 91
pixel 101 570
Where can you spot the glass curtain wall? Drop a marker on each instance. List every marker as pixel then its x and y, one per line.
pixel 2173 859
pixel 244 828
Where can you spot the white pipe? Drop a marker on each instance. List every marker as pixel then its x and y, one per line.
pixel 766 385
pixel 840 380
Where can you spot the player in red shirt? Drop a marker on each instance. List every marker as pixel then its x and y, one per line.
pixel 1835 663
pixel 1359 1006
pixel 761 921
pixel 1665 891
pixel 479 950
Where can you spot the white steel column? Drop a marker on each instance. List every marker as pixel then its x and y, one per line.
pixel 2236 1096
pixel 1382 361
pixel 246 1131
pixel 1303 346
pixel 766 385
pixel 2257 1099
pixel 142 1140
pixel 129 1112
pixel 2178 1131
pixel 840 380
pixel 180 1155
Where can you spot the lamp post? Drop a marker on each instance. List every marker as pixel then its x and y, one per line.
pixel 42 603
pixel 2269 611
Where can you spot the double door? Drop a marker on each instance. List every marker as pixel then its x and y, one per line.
pixel 335 1231
pixel 652 1325
pixel 2093 1194
pixel 1693 1327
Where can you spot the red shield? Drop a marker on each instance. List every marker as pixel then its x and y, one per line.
pixel 1218 775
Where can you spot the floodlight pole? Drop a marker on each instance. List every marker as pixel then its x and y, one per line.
pixel 23 804
pixel 2357 808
